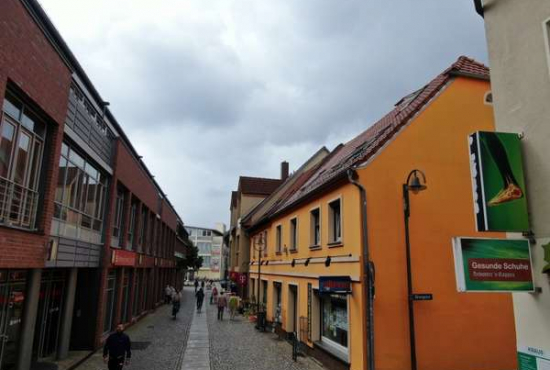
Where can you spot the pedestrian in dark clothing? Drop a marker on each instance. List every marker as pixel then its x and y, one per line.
pixel 202 284
pixel 176 301
pixel 196 286
pixel 200 298
pixel 116 351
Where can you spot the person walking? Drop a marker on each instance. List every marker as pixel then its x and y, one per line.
pixel 176 302
pixel 117 349
pixel 202 284
pixel 196 285
pixel 167 294
pixel 222 303
pixel 214 295
pixel 233 306
pixel 200 299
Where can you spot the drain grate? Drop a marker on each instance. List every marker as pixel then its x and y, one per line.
pixel 140 346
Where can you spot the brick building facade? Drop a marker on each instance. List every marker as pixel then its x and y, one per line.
pixel 87 236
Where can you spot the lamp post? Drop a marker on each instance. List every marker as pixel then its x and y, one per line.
pixel 415 185
pixel 259 246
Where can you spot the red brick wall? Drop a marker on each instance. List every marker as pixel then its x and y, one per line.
pixel 169 216
pixel 29 61
pixel 134 178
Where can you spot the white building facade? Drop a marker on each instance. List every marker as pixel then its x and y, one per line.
pixel 209 241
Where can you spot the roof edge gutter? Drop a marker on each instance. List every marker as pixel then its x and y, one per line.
pixel 479 7
pixel 367 268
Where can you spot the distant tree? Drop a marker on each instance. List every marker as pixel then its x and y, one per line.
pixel 192 260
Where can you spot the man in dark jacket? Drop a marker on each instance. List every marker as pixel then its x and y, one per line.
pixel 116 351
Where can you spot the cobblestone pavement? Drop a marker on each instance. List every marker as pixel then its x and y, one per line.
pixel 163 338
pixel 237 345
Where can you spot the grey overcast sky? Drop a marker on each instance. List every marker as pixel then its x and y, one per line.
pixel 210 90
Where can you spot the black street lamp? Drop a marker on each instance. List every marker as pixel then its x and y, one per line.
pixel 415 185
pixel 259 246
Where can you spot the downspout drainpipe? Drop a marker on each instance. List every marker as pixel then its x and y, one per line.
pixel 368 270
pixel 479 7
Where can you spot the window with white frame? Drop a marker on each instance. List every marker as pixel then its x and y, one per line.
pixel 335 221
pixel 334 321
pixel 294 234
pixel 315 227
pixel 278 238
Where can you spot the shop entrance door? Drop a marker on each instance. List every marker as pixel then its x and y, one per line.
pixel 49 314
pixel 12 299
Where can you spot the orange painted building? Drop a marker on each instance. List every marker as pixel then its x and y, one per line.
pixel 314 231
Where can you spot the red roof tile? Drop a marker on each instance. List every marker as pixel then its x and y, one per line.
pixel 364 146
pixel 258 185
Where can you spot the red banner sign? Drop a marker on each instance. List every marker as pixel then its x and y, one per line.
pixel 499 269
pixel 123 258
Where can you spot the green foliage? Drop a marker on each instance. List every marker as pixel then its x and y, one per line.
pixel 546 247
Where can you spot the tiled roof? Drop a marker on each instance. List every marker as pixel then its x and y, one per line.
pixel 258 185
pixel 364 146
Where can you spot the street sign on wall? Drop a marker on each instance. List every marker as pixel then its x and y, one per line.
pixel 531 358
pixel 496 265
pixel 498 182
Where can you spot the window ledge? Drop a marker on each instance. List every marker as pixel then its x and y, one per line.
pixel 295 250
pixel 340 355
pixel 314 247
pixel 335 244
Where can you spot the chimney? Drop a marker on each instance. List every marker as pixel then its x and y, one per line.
pixel 284 170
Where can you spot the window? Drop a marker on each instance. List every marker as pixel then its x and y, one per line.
pixel 204 248
pixel 22 136
pixel 119 214
pixel 80 198
pixel 205 262
pixel 132 226
pixel 110 305
pixel 334 322
pixel 294 234
pixel 315 228
pixel 206 233
pixel 143 229
pixel 335 221
pixel 278 236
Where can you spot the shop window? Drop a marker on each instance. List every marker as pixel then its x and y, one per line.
pixel 80 198
pixel 277 308
pixel 335 221
pixel 294 234
pixel 334 321
pixel 315 227
pixel 22 135
pixel 278 238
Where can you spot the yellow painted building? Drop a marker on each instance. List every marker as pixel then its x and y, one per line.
pixel 313 232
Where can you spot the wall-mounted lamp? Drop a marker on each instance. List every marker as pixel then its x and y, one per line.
pixel 266 263
pixel 307 261
pixel 293 263
pixel 327 261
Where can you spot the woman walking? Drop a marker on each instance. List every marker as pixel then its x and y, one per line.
pixel 222 303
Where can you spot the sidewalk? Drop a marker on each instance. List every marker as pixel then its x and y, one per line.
pixel 237 345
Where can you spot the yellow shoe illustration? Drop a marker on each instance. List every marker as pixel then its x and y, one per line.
pixel 511 192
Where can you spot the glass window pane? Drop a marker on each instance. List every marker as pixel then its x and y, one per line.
pixel 76 159
pixel 83 192
pixel 71 183
pixel 335 319
pixel 6 146
pixel 13 108
pixel 61 180
pixel 35 165
pixel 64 150
pixel 90 208
pixel 22 158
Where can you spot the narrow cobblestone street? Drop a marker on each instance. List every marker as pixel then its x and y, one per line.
pixel 199 341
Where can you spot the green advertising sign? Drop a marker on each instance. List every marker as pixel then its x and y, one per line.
pixel 493 265
pixel 496 164
pixel 531 358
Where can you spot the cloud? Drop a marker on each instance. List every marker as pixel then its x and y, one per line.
pixel 212 90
